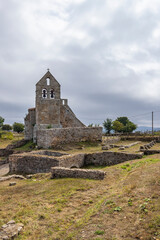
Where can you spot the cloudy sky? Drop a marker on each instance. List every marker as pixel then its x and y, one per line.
pixel 104 53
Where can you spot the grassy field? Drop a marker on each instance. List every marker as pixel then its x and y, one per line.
pixel 125 205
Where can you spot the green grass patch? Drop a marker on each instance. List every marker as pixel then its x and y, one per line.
pixel 129 166
pixel 27 147
pixel 99 232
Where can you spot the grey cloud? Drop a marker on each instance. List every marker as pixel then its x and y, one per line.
pixel 96 82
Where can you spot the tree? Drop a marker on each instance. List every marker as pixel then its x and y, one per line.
pixel 1 121
pixel 128 126
pixel 123 120
pixel 6 127
pixel 18 127
pixel 108 125
pixel 117 126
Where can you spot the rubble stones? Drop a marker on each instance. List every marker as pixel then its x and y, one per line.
pixel 106 147
pixel 10 177
pixel 122 148
pixel 147 146
pixel 10 230
pixel 12 183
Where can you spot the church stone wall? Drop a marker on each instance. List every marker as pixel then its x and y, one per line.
pixel 52 137
pixel 68 118
pixel 52 111
pixel 48 112
pixel 30 121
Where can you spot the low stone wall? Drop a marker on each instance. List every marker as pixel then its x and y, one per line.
pixel 110 140
pixel 121 147
pixel 34 162
pixel 42 161
pixel 72 161
pixel 147 146
pixel 109 158
pixel 17 144
pixel 141 138
pixel 25 163
pixel 60 172
pixel 52 137
pixel 5 152
pixel 150 152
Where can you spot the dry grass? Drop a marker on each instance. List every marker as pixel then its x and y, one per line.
pixel 125 205
pixel 5 142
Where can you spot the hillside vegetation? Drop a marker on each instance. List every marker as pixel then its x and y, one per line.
pixel 125 205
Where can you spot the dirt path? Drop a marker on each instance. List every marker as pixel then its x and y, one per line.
pixel 4 169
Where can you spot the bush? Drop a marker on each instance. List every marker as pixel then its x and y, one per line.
pixel 18 127
pixel 7 135
pixel 6 127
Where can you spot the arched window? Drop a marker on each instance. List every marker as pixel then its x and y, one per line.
pixel 44 93
pixel 48 81
pixel 52 94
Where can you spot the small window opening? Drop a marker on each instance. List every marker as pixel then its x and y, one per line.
pixel 52 94
pixel 48 81
pixel 63 102
pixel 44 93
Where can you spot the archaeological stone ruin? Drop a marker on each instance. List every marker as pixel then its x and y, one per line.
pixel 52 122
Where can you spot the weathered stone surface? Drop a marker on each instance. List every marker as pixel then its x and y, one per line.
pixel 51 137
pixel 10 230
pixel 60 172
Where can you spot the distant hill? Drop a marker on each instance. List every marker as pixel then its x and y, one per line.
pixel 145 129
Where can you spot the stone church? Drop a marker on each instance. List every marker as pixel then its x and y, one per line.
pixel 52 121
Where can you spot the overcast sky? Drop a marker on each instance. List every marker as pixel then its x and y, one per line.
pixel 104 53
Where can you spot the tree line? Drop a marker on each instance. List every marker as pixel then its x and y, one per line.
pixel 120 125
pixel 17 127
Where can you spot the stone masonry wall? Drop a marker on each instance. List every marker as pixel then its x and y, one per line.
pixel 36 163
pixel 51 137
pixel 68 118
pixel 109 158
pixel 60 172
pixel 25 163
pixel 30 121
pixel 72 160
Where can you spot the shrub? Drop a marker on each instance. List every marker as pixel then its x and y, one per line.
pixel 7 135
pixel 6 127
pixel 18 127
